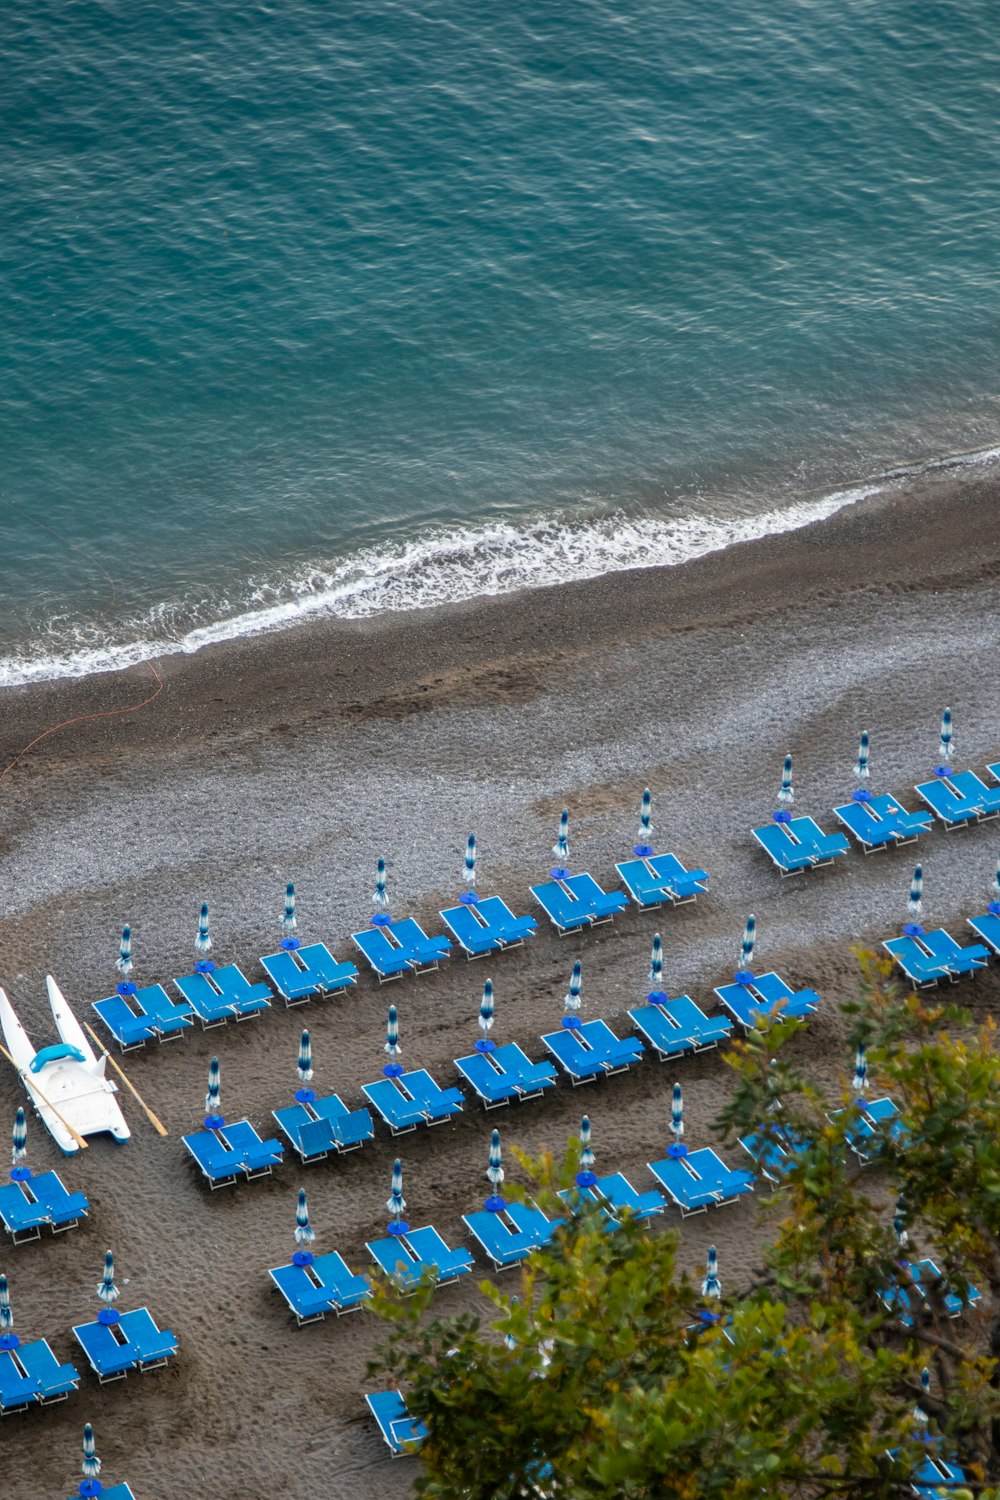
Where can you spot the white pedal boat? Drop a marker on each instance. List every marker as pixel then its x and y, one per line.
pixel 65 1081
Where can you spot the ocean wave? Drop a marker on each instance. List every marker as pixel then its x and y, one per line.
pixel 445 566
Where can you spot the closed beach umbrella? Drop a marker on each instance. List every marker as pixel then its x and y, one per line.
pixel 304 1065
pixel 123 963
pixel 561 845
pixel 749 939
pixel 6 1316
pixel 859 1082
pixel 396 1202
pixel 996 880
pixel 203 942
pixel 495 1203
pixel 91 1463
pixel 572 1001
pixel 919 1415
pixel 304 1232
pixel 899 1218
pixel 212 1098
pixel 470 863
pixel 486 1018
pixel 646 817
pixel 861 770
pixel 509 1338
pixel 288 921
pixel 786 792
pixel 392 1068
pixel 586 1177
pixel 677 1123
pixel 915 904
pixel 379 898
pixel 19 1138
pixel 711 1287
pixel 107 1291
pixel 947 737
pixel 656 961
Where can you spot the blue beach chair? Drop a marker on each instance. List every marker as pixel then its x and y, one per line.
pixel 659 878
pixel 826 847
pixel 766 995
pixel 511 930
pixel 17 1390
pixel 400 1111
pixel 908 825
pixel 438 1104
pixel 63 1209
pixel 402 1434
pixel 432 1250
pixel 324 1125
pixel 333 975
pixel 168 1018
pixel 424 953
pixel 876 1122
pixel 604 905
pixel 108 1358
pixel 920 969
pixel 947 804
pixel 987 799
pixel 152 1346
pixel 583 1064
pixel 471 931
pixel 621 1197
pixel 867 828
pixel 247 999
pixel 988 928
pixel 700 1180
pixel 257 1157
pixel 528 1218
pixel 662 1031
pixel 219 1165
pixel 386 957
pixel 205 1000
pixel 532 1078
pixel 492 1085
pixel 499 1238
pixel 22 1218
pixel 326 1285
pixel 566 912
pixel 53 1381
pixel 786 853
pixel 295 982
pixel 406 1266
pixel 958 959
pixel 128 1029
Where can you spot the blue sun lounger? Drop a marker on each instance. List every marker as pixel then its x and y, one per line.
pixel 679 1025
pixel 438 1104
pixel 947 804
pixel 936 1478
pixel 700 1180
pixel 532 1078
pixel 326 1285
pixel 566 912
pixel 407 1258
pixel 471 931
pixel 493 1086
pixel 53 1381
pixel 205 1000
pixel 324 1125
pixel 870 830
pixel 334 976
pixel 825 846
pixel 258 1157
pixel 402 1434
pixel 423 952
pixel 527 1218
pixel 17 1390
pixel 766 995
pixel 987 799
pixel 619 1195
pixel 923 1274
pixel 152 1346
pixel 109 1358
pixel 988 928
pixel 387 958
pixel 511 930
pixel 786 853
pixel 167 1018
pixel 63 1209
pixel 499 1238
pixel 246 999
pixel 22 1219
pixel 660 877
pixel 604 905
pixel 958 959
pixel 400 1112
pixel 876 1121
pixel 920 969
pixel 909 825
pixel 592 1050
pixel 128 1029
pixel 295 982
pixel 220 1166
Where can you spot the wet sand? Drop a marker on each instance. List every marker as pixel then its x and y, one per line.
pixel 304 755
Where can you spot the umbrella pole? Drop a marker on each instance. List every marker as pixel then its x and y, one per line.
pixel 156 1123
pixel 61 1118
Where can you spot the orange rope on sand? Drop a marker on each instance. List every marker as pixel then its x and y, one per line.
pixel 104 713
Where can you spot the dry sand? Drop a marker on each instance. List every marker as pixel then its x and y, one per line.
pixel 304 756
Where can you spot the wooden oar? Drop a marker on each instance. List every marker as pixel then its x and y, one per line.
pixel 61 1118
pixel 156 1124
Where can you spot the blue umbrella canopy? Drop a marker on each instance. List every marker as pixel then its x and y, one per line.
pixel 304 1065
pixel 304 1232
pixel 656 961
pixel 646 817
pixel 561 845
pixel 711 1287
pixel 947 743
pixel 379 898
pixel 915 904
pixel 861 770
pixel 107 1290
pixel 19 1138
pixel 91 1465
pixel 123 963
pixel 470 863
pixel 203 942
pixel 786 792
pixel 289 922
pixel 859 1082
pixel 749 939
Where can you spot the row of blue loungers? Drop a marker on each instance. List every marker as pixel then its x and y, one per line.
pixel 957 799
pixel 928 958
pixel 30 1373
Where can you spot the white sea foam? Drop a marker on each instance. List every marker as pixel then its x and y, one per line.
pixel 444 566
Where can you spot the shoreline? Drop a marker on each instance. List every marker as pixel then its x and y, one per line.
pixel 305 755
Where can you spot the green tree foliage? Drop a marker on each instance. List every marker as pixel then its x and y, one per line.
pixel 606 1374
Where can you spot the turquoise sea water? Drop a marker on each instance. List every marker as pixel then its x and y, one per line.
pixel 354 306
